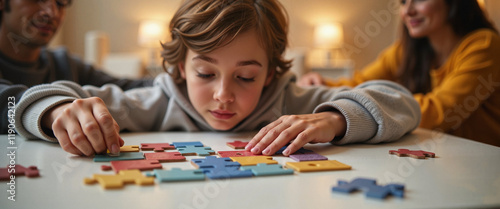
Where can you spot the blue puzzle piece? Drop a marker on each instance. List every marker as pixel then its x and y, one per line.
pixel 176 174
pixel 123 156
pixel 192 150
pixel 184 144
pixel 263 169
pixel 212 162
pixel 370 187
pixel 228 172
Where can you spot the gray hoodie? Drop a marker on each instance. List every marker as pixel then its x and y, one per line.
pixel 376 111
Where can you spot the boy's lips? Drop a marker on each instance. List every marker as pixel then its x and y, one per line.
pixel 222 114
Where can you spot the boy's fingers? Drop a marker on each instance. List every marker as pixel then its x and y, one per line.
pixel 65 142
pixel 109 128
pixel 302 139
pixel 93 133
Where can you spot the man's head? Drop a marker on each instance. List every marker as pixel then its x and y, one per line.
pixel 31 22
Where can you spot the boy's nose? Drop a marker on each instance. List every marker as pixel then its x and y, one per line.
pixel 50 8
pixel 223 93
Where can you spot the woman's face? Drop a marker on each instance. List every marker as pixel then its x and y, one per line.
pixel 424 18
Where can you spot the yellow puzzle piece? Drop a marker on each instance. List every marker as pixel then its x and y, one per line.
pixel 320 165
pixel 254 160
pixel 118 180
pixel 129 148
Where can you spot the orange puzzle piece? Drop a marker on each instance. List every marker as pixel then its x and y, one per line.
pixel 118 180
pixel 254 160
pixel 319 165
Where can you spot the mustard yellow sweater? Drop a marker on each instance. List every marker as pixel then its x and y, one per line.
pixel 465 96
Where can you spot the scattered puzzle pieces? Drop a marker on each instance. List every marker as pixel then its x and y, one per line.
pixel 122 156
pixel 118 180
pixel 165 156
pixel 176 174
pixel 372 190
pixel 185 144
pixel 263 169
pixel 135 164
pixel 237 144
pixel 320 165
pixel 308 157
pixel 254 160
pixel 157 147
pixel 18 170
pixel 238 153
pixel 418 154
pixel 193 150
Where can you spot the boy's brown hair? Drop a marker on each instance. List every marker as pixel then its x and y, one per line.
pixel 206 25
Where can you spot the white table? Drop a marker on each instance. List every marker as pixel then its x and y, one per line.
pixel 464 174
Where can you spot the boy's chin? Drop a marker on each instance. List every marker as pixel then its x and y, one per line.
pixel 219 127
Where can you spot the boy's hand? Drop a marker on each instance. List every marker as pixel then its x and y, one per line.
pixel 84 127
pixel 302 129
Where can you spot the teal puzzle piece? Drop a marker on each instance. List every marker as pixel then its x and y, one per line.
pixel 263 169
pixel 192 150
pixel 176 174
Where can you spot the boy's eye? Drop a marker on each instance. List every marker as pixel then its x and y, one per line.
pixel 201 75
pixel 246 79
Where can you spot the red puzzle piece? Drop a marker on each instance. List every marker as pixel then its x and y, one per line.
pixel 135 164
pixel 18 170
pixel 165 156
pixel 157 147
pixel 237 144
pixel 419 154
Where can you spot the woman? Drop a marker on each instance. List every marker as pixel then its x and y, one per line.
pixel 449 58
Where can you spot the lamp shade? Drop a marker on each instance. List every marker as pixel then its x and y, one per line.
pixel 328 36
pixel 151 32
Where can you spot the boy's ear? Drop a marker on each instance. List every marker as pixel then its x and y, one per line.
pixel 181 69
pixel 270 76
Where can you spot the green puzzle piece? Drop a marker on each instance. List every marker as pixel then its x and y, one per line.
pixel 122 156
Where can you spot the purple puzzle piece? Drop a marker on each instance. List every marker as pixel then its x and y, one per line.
pixel 308 157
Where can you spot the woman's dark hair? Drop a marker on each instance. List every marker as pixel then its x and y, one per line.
pixel 464 16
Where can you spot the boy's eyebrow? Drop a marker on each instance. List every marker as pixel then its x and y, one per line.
pixel 214 61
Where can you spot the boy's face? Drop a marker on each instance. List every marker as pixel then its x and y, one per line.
pixel 32 22
pixel 225 85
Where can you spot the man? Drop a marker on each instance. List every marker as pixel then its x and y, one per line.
pixel 26 27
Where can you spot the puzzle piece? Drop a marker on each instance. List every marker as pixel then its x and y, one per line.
pixel 320 165
pixel 157 147
pixel 369 185
pixel 185 144
pixel 122 156
pixel 237 144
pixel 238 153
pixel 118 180
pixel 254 160
pixel 135 164
pixel 308 157
pixel 18 170
pixel 176 174
pixel 263 169
pixel 165 156
pixel 418 154
pixel 219 168
pixel 212 162
pixel 193 150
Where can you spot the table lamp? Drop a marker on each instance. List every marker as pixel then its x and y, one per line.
pixel 329 36
pixel 151 32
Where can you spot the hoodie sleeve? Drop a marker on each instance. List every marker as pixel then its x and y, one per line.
pixel 375 111
pixel 129 109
